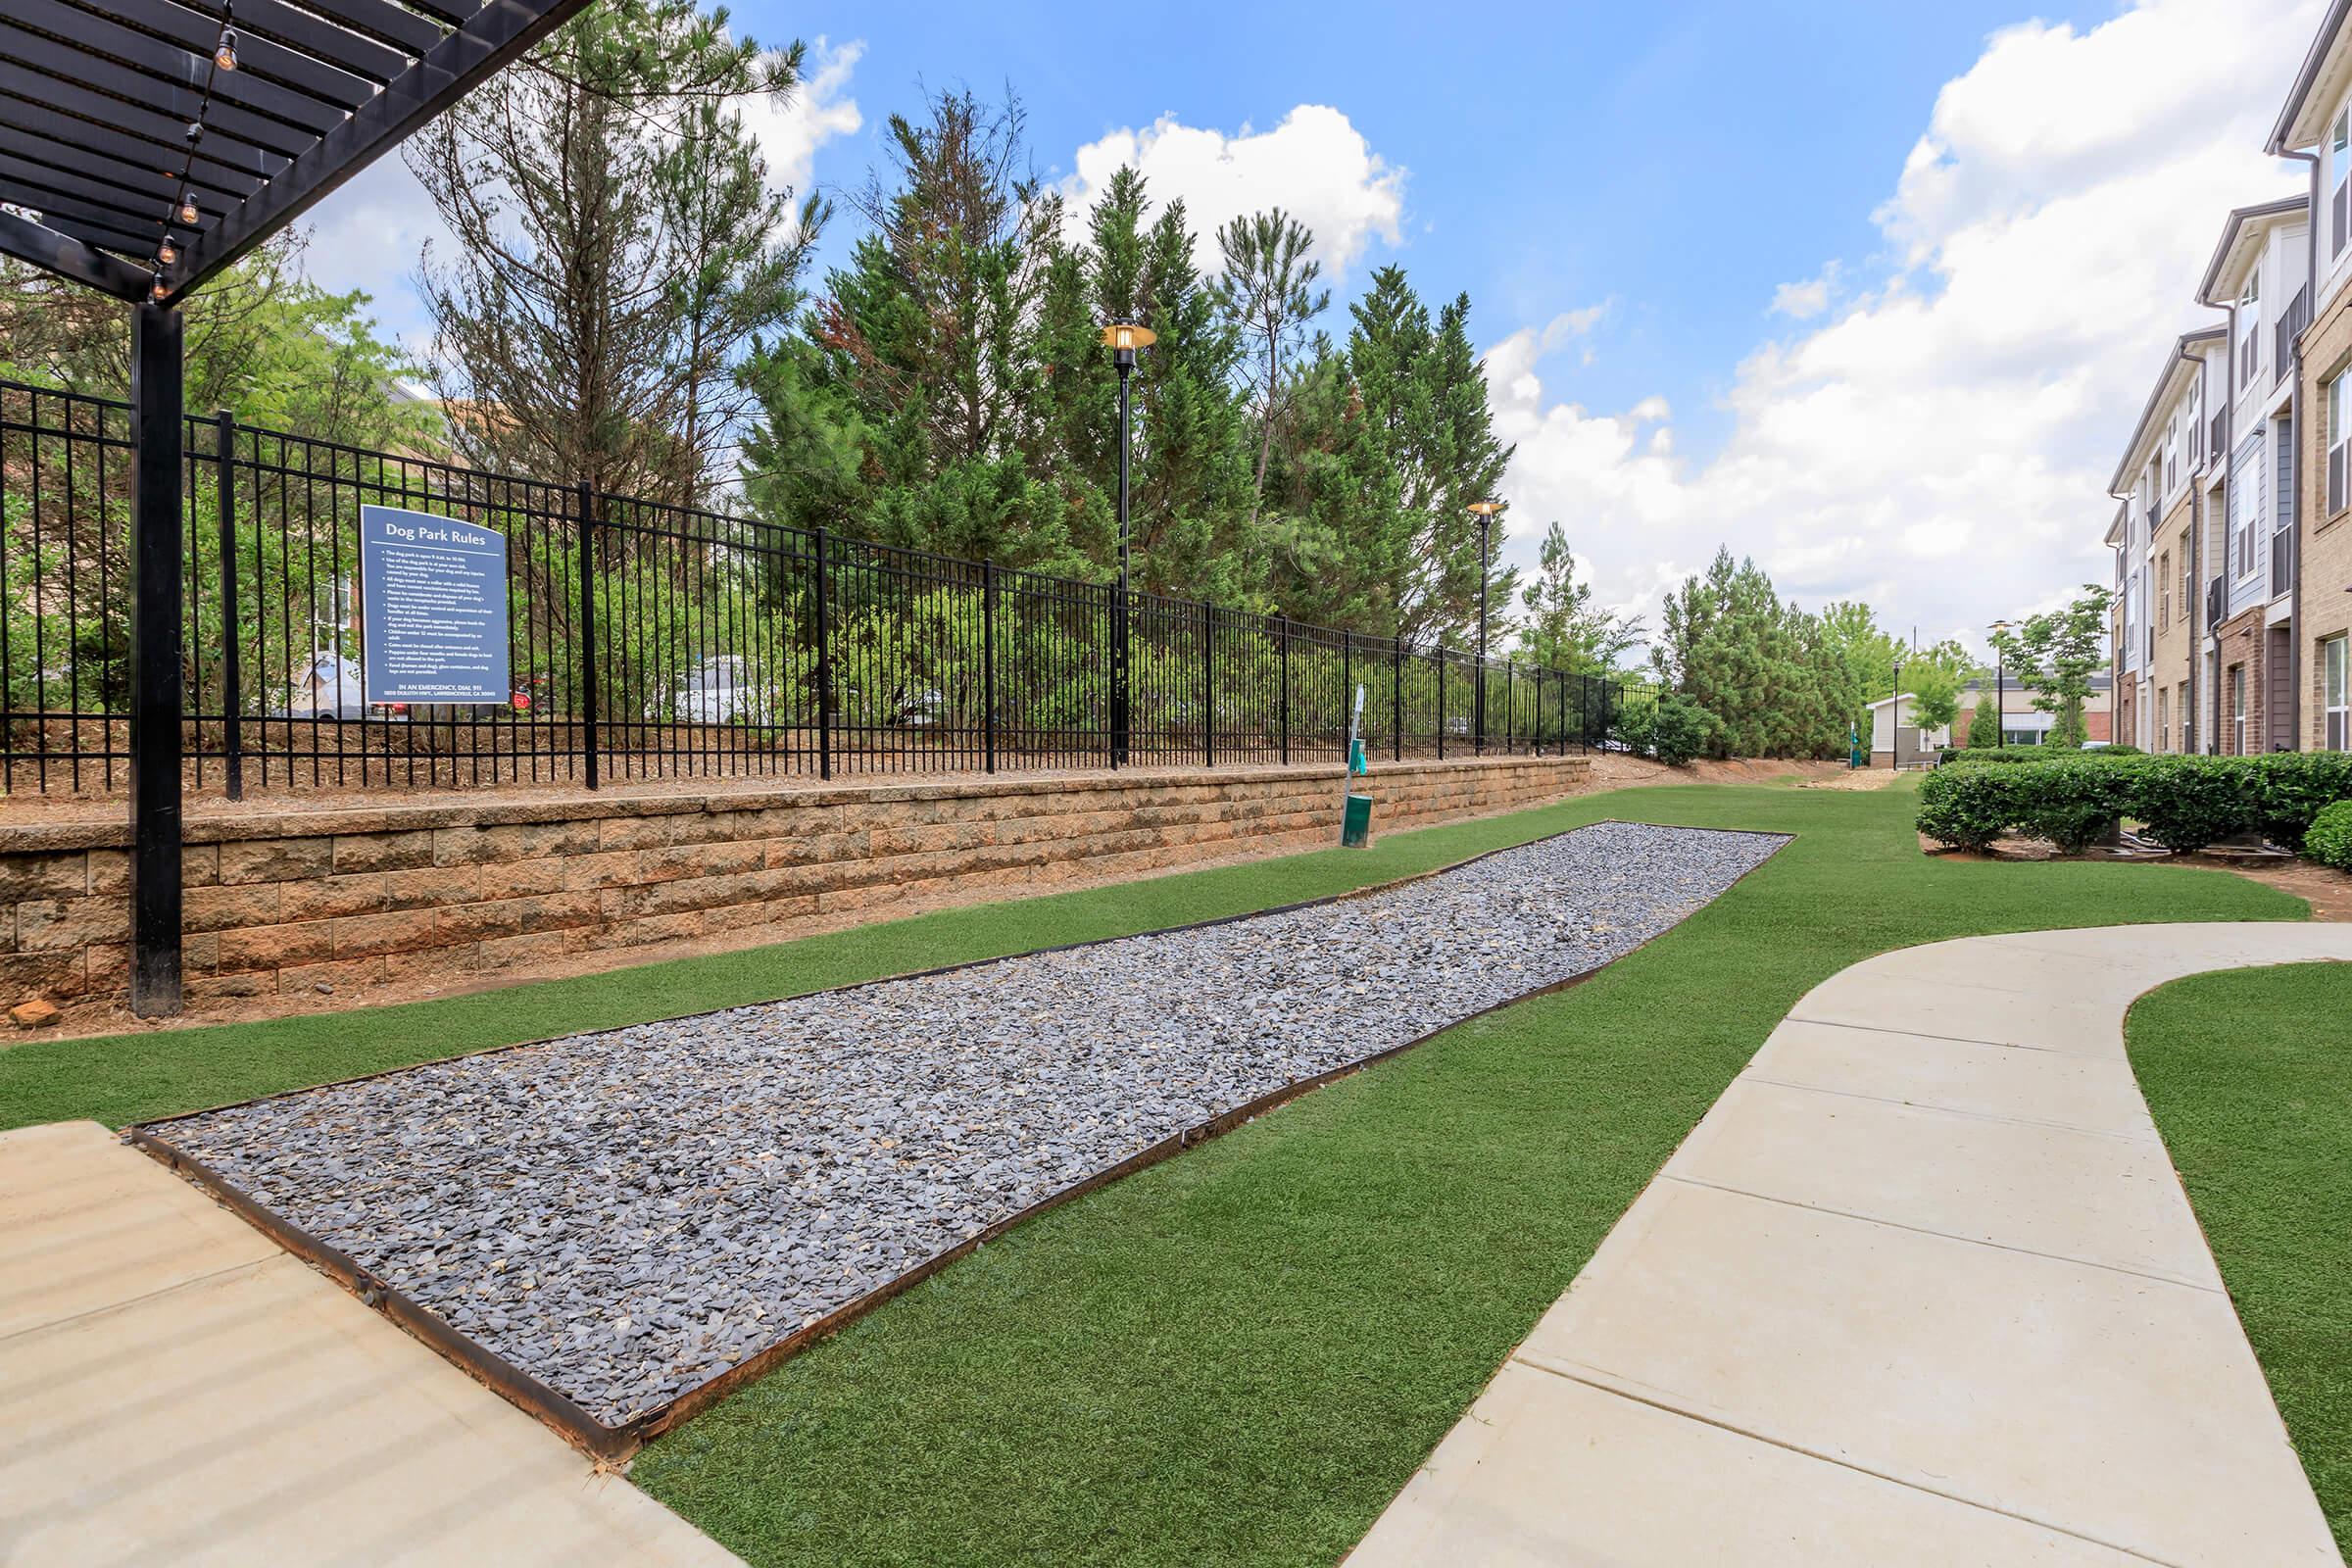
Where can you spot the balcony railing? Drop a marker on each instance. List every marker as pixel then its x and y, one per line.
pixel 2290 327
pixel 2218 443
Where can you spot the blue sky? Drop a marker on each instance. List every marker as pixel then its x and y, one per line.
pixel 1679 161
pixel 1870 290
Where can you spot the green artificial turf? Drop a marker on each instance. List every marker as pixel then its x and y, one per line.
pixel 2249 1075
pixel 1240 1354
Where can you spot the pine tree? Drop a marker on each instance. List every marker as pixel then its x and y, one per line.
pixel 1268 291
pixel 617 250
pixel 1564 629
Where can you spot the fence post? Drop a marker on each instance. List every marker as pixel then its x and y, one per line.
pixel 988 661
pixel 1346 689
pixel 824 666
pixel 1440 656
pixel 157 686
pixel 591 738
pixel 1208 684
pixel 1397 698
pixel 1510 698
pixel 1282 628
pixel 232 695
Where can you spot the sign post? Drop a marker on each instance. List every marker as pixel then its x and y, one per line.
pixel 1355 815
pixel 433 609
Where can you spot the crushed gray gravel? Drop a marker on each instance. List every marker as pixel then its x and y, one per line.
pixel 625 1215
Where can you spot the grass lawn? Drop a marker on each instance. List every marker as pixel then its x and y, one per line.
pixel 1237 1355
pixel 2249 1075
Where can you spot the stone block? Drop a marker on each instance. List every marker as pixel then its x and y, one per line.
pixel 368 936
pixel 224 908
pixel 273 946
pixel 514 879
pixel 723 858
pixel 50 925
pixel 430 887
pixel 44 876
pixel 26 975
pixel 325 898
pixel 275 860
pixel 383 852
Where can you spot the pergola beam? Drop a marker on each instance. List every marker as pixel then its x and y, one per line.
pixel 68 258
pixel 488 40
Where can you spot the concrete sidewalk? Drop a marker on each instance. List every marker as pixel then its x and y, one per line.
pixel 1921 1288
pixel 177 1389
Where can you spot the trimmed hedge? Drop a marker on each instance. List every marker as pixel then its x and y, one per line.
pixel 2184 802
pixel 2329 839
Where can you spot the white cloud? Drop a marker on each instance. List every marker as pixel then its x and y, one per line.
pixel 1808 299
pixel 791 130
pixel 1940 443
pixel 1314 164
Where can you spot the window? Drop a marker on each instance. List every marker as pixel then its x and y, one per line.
pixel 2188 605
pixel 2164 584
pixel 2187 724
pixel 2337 433
pixel 2340 176
pixel 2337 686
pixel 2249 320
pixel 2164 718
pixel 2245 504
pixel 2237 709
pixel 2171 455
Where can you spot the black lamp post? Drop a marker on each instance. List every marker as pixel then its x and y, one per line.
pixel 2000 681
pixel 1485 511
pixel 1124 339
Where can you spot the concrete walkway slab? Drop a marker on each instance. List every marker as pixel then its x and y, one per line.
pixel 1921 1287
pixel 176 1393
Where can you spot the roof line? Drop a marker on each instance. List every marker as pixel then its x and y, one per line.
pixel 2174 363
pixel 2308 76
pixel 2239 218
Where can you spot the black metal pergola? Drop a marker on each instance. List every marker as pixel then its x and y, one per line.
pixel 145 145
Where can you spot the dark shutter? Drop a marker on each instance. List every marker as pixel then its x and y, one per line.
pixel 2335 480
pixel 2341 208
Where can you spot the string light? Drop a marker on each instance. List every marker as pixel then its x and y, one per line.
pixel 224 58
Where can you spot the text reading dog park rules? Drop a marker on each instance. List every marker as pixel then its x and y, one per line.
pixel 433 603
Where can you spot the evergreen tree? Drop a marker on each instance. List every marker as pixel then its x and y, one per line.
pixel 618 251
pixel 1985 719
pixel 1268 291
pixel 1564 629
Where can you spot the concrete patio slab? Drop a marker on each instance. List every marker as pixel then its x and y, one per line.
pixel 249 1411
pixel 1924 1263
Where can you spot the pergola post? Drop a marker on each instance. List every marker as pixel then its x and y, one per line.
pixel 156 562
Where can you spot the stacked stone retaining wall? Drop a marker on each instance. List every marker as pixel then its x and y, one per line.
pixel 287 900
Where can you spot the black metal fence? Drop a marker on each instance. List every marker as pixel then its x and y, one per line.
pixel 650 641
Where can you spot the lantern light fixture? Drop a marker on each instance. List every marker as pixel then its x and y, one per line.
pixel 187 209
pixel 158 289
pixel 167 253
pixel 225 53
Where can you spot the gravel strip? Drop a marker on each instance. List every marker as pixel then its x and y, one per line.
pixel 625 1215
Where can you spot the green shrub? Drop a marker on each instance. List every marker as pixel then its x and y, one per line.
pixel 1968 808
pixel 1683 731
pixel 2121 749
pixel 1634 725
pixel 2186 803
pixel 2294 787
pixel 2329 840
pixel 2076 803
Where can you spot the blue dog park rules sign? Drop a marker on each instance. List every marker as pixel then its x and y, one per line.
pixel 433 609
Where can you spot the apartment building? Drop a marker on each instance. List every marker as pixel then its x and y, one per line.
pixel 2315 126
pixel 2169 481
pixel 2232 530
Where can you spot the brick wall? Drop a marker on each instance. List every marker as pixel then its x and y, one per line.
pixel 2326 539
pixel 2243 641
pixel 287 900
